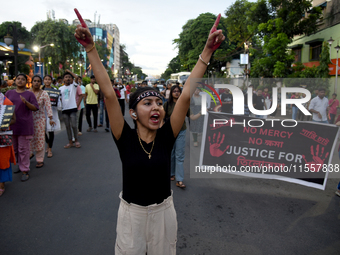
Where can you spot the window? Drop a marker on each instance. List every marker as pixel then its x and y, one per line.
pixel 315 51
pixel 297 53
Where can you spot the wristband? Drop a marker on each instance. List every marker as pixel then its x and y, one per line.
pixel 91 48
pixel 200 57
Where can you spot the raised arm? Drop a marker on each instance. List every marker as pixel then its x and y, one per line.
pixel 73 74
pixel 116 118
pixel 215 39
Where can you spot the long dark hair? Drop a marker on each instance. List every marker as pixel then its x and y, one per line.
pixel 37 76
pixel 171 98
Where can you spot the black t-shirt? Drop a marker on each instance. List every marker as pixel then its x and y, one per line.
pixel 228 108
pixel 259 102
pixel 146 181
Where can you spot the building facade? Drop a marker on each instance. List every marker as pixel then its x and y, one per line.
pixel 109 34
pixel 307 49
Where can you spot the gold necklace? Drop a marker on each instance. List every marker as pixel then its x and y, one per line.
pixel 149 153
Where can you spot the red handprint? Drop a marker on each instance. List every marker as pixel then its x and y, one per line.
pixel 215 145
pixel 83 34
pixel 316 164
pixel 218 36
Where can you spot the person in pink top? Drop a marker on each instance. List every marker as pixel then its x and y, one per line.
pixel 332 107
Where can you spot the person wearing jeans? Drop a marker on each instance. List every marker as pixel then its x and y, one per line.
pixel 177 159
pixel 101 108
pixel 70 119
pixel 178 151
pixel 69 92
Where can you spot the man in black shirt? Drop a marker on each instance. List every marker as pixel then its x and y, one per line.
pixel 227 102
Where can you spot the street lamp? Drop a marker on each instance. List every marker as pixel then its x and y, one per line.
pixel 37 49
pixel 337 48
pixel 9 39
pixel 80 62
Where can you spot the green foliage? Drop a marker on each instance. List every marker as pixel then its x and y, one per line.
pixel 174 66
pixel 285 21
pixel 62 36
pixel 323 69
pixel 127 64
pixel 102 50
pixel 86 80
pixel 139 72
pixel 239 18
pixel 191 42
pixel 23 36
pixel 4 90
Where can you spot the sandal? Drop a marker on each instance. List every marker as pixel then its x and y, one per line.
pixel 31 156
pixel 89 129
pixel 68 146
pixel 25 176
pixel 172 178
pixel 2 191
pixel 49 154
pixel 78 145
pixel 180 184
pixel 39 165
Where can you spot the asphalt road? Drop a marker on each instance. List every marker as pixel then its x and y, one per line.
pixel 70 207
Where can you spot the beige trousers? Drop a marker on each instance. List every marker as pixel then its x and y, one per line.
pixel 146 229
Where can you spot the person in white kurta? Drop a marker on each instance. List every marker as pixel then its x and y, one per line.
pixel 49 134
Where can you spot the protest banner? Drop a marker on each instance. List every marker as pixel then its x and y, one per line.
pixel 6 113
pixel 54 96
pixel 298 152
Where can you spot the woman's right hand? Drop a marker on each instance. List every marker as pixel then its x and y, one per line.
pixel 82 33
pixel 215 38
pixel 23 99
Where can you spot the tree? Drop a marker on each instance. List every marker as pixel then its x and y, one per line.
pixel 323 69
pixel 192 40
pixel 62 36
pixel 174 66
pixel 23 36
pixel 139 72
pixel 238 18
pixel 285 21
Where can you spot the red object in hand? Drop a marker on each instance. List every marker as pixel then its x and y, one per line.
pixel 214 29
pixel 86 40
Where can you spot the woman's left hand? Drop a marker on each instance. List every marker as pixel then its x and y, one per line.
pixel 52 123
pixel 216 37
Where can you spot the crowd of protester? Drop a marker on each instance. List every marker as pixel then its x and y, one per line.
pixel 38 115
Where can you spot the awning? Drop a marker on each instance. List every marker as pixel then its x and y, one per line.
pixel 315 41
pixel 296 46
pixel 7 51
pixel 323 5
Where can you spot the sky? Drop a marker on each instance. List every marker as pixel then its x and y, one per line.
pixel 147 28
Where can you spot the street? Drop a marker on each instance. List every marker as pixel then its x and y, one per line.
pixel 70 207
